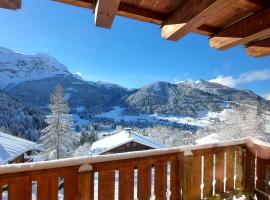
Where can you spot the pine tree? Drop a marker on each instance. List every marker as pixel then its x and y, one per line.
pixel 57 136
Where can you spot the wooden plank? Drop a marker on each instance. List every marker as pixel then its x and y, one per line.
pixel 21 190
pixel 259 49
pixel 175 179
pixel 229 169
pixel 160 180
pixel 105 11
pixel 106 185
pixel 252 28
pixel 249 168
pixel 208 174
pixel 1 191
pixel 47 187
pixel 86 186
pixel 239 169
pixel 144 181
pixel 10 4
pixel 71 190
pixel 191 177
pixel 126 183
pixel 191 15
pixel 219 172
pixel 140 14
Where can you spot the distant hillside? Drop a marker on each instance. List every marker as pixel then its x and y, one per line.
pixel 18 119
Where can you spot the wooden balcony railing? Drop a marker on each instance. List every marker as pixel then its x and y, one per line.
pixel 192 172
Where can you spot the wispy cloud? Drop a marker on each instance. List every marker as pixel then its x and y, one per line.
pixel 246 77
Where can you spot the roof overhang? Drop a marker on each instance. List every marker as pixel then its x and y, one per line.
pixel 226 23
pixel 10 4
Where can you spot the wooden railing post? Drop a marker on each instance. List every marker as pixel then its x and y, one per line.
pixel 190 166
pixel 249 169
pixel 86 182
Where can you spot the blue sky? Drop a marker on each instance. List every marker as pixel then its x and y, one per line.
pixel 131 54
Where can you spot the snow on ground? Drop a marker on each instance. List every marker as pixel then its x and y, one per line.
pixel 78 121
pixel 205 117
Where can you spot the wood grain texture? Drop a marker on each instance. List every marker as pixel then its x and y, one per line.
pixel 105 12
pixel 144 181
pixel 190 16
pixel 176 178
pixel 86 186
pixel 126 183
pixel 10 4
pixel 160 179
pixel 259 49
pixel 252 28
pixel 47 187
pixel 219 172
pixel 106 185
pixel 208 174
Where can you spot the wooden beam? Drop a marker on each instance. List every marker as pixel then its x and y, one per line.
pixel 191 15
pixel 10 4
pixel 124 10
pixel 259 49
pixel 254 27
pixel 105 10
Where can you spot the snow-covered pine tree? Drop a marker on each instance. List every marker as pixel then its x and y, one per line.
pixel 57 136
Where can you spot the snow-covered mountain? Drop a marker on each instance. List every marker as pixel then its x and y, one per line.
pixel 187 99
pixel 17 67
pixel 32 78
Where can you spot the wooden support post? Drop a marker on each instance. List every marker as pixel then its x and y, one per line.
pixel 105 11
pixel 86 182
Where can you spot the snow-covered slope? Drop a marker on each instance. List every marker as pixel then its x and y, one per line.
pixel 16 67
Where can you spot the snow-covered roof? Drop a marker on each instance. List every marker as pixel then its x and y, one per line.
pixel 122 138
pixel 11 147
pixel 209 139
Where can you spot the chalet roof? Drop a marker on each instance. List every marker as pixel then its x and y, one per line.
pixel 121 138
pixel 12 147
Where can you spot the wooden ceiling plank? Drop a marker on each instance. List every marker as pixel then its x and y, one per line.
pixel 140 14
pixel 252 28
pixel 259 49
pixel 105 11
pixel 191 15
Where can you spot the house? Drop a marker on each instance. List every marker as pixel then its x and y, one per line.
pixel 124 141
pixel 13 149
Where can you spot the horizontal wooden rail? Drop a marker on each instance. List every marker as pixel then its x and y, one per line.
pixel 191 172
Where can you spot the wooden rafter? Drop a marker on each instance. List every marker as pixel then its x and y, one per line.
pixel 104 11
pixel 10 4
pixel 254 27
pixel 191 15
pixel 259 49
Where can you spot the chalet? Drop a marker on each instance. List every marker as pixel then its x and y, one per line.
pixel 124 141
pixel 13 149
